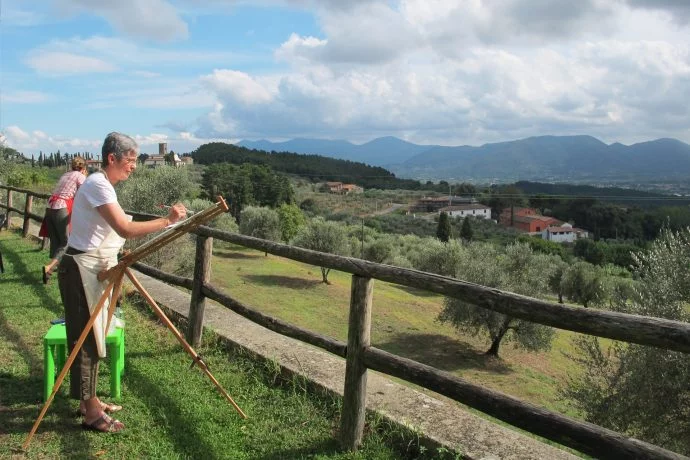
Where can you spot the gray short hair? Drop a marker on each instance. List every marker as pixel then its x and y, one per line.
pixel 118 144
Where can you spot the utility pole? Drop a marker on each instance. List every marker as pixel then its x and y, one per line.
pixel 361 251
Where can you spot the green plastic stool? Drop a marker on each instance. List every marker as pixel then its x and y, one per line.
pixel 55 357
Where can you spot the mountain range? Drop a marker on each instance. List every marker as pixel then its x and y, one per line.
pixel 546 158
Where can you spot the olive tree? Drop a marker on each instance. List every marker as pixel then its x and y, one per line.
pixel 323 236
pixel 260 222
pixel 518 270
pixel 438 257
pixel 291 219
pixel 144 191
pixel 583 283
pixel 642 391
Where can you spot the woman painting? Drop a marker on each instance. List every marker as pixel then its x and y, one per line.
pixel 99 227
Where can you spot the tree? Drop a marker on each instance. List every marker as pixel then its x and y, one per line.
pixel 443 230
pixel 642 391
pixel 517 270
pixel 379 251
pixel 146 189
pixel 466 230
pixel 583 283
pixel 323 236
pixel 291 220
pixel 503 197
pixel 555 279
pixel 260 222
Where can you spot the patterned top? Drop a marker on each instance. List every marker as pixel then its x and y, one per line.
pixel 66 188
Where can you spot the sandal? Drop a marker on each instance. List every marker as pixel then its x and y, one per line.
pixel 104 424
pixel 106 407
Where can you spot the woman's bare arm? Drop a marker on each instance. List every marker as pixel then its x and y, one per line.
pixel 116 218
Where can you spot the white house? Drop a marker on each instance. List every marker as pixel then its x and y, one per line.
pixel 566 233
pixel 478 211
pixel 154 161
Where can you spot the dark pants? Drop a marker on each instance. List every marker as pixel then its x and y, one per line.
pixel 57 221
pixel 84 369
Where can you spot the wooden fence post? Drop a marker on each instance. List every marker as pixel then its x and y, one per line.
pixel 9 205
pixel 202 275
pixel 358 339
pixel 27 212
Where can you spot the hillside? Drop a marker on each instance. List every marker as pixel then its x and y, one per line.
pixel 313 167
pixel 379 152
pixel 546 158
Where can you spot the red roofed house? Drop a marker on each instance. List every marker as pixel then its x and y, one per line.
pixel 526 220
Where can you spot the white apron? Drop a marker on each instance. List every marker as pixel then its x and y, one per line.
pixel 90 264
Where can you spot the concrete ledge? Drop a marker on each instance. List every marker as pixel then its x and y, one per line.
pixel 441 421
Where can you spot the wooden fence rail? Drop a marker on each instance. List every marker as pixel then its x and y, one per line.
pixel 585 437
pixel 657 332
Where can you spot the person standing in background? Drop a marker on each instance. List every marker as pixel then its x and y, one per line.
pixel 57 217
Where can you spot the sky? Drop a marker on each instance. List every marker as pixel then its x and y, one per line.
pixel 449 72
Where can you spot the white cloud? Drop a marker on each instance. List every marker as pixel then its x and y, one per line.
pixel 145 74
pixel 31 142
pixel 237 87
pixel 678 10
pixel 59 63
pixel 153 19
pixel 17 15
pixel 108 53
pixel 24 97
pixel 614 89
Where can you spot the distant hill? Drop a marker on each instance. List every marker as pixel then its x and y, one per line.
pixel 378 152
pixel 546 158
pixel 624 196
pixel 563 158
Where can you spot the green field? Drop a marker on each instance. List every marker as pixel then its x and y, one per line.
pixel 403 322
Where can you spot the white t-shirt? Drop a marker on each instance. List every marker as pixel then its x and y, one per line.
pixel 89 229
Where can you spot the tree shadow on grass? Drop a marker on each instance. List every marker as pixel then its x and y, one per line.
pixel 187 441
pixel 443 352
pixel 13 337
pixel 324 447
pixel 22 400
pixel 415 291
pixel 20 390
pixel 32 280
pixel 237 255
pixel 291 282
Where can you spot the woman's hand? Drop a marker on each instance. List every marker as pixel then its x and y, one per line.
pixel 177 212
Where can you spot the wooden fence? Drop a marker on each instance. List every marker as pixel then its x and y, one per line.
pixel 585 437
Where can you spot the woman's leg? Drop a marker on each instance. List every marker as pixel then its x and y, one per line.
pixel 58 221
pixel 84 369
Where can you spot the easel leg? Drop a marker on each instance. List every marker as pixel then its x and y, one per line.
pixel 161 315
pixel 116 283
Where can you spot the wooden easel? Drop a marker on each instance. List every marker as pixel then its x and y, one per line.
pixel 115 276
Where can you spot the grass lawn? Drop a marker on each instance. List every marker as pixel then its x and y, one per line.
pixel 403 322
pixel 170 411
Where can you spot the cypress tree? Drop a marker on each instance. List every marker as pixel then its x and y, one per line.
pixel 443 231
pixel 466 232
